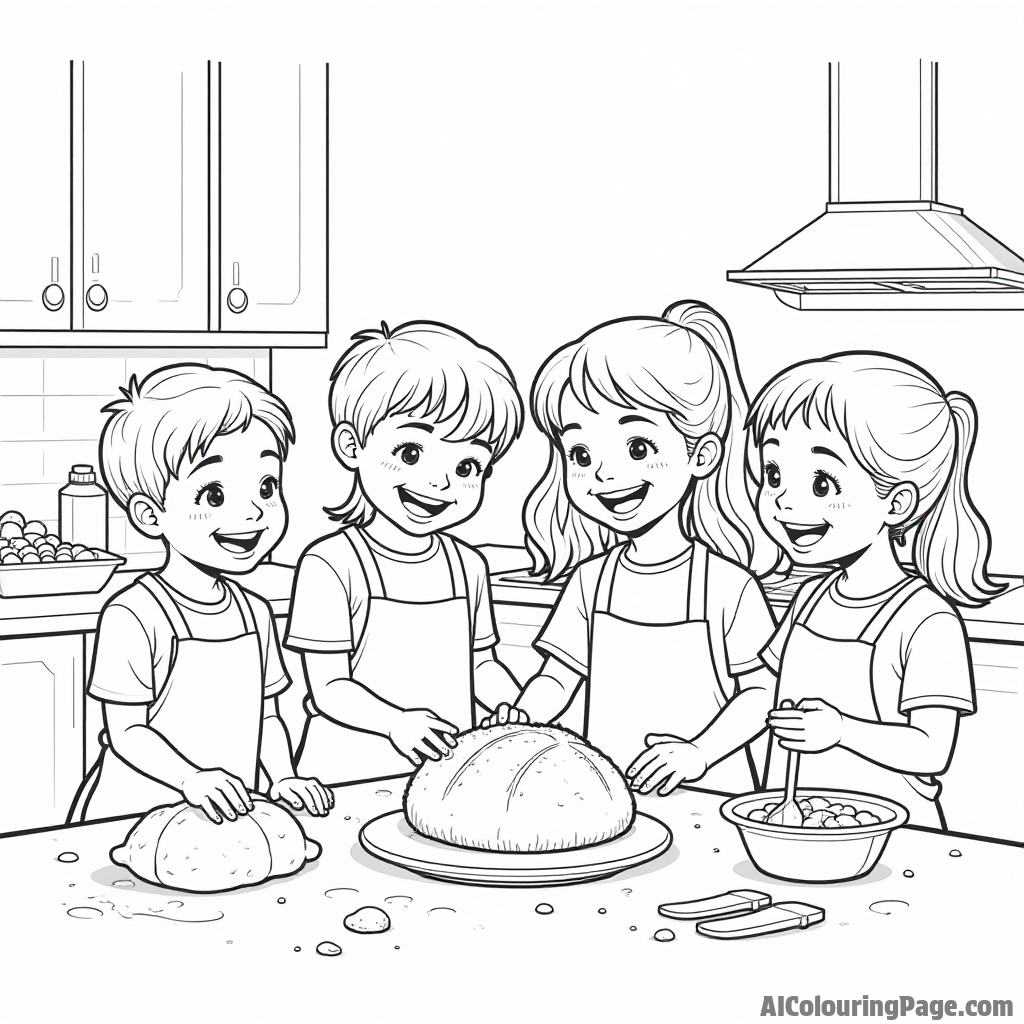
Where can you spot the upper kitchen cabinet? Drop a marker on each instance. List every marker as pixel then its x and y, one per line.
pixel 273 197
pixel 35 196
pixel 160 205
pixel 145 202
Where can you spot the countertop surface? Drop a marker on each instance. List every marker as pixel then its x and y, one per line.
pixel 489 955
pixel 1002 620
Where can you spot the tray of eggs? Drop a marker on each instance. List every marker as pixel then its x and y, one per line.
pixel 35 563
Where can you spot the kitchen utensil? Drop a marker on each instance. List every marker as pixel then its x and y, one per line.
pixel 783 917
pixel 726 904
pixel 815 854
pixel 42 579
pixel 788 813
pixel 391 838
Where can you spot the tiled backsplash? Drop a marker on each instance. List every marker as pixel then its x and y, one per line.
pixel 50 418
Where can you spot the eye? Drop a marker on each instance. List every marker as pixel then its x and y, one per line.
pixel 825 484
pixel 269 486
pixel 772 475
pixel 579 455
pixel 213 495
pixel 468 467
pixel 409 452
pixel 641 447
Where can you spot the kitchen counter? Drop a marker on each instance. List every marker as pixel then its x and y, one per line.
pixel 1001 621
pixel 491 956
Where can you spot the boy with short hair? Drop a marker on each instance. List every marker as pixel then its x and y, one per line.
pixel 187 663
pixel 392 615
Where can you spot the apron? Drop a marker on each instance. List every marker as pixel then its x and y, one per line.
pixel 411 654
pixel 839 672
pixel 657 678
pixel 210 710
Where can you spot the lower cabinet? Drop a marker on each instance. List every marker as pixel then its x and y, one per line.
pixel 42 729
pixel 982 792
pixel 518 627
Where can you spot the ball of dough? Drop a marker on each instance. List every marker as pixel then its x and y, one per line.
pixel 520 788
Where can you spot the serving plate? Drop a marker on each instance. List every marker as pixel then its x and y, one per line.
pixel 391 838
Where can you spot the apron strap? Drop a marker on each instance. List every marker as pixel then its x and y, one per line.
pixel 457 568
pixel 697 592
pixel 817 593
pixel 241 596
pixel 364 556
pixel 887 612
pixel 162 596
pixel 603 594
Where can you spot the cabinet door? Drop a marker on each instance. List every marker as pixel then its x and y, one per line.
pixel 42 683
pixel 145 188
pixel 35 195
pixel 273 197
pixel 981 792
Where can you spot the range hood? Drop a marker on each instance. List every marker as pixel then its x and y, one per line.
pixel 885 241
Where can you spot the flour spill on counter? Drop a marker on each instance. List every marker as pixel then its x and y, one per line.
pixel 388 899
pixel 544 908
pixel 84 913
pixel 326 949
pixel 173 911
pixel 433 910
pixel 664 935
pixel 329 892
pixel 68 857
pixel 123 883
pixel 955 853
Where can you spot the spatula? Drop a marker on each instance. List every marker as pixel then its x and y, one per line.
pixel 788 812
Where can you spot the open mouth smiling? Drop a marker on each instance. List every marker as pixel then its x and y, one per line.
pixel 803 536
pixel 622 503
pixel 239 543
pixel 419 505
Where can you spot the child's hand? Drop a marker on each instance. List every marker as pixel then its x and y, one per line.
pixel 505 714
pixel 218 793
pixel 310 794
pixel 812 726
pixel 667 762
pixel 418 734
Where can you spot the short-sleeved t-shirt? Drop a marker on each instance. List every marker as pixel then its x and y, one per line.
pixel 920 659
pixel 134 645
pixel 332 597
pixel 738 615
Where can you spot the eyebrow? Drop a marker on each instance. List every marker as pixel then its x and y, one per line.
pixel 816 450
pixel 207 462
pixel 268 454
pixel 418 426
pixel 483 444
pixel 636 419
pixel 770 440
pixel 570 426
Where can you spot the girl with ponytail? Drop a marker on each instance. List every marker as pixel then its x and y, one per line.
pixel 856 451
pixel 646 503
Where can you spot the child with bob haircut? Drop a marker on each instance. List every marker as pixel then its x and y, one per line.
pixel 392 615
pixel 187 663
pixel 645 502
pixel 856 450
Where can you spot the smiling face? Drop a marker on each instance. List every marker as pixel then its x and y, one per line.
pixel 816 501
pixel 625 468
pixel 224 510
pixel 414 475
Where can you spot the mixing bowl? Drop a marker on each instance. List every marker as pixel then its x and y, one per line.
pixel 815 854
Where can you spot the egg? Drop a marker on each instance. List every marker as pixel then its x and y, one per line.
pixel 52 538
pixel 85 555
pixel 34 529
pixel 12 517
pixel 29 557
pixel 21 544
pixel 10 530
pixel 47 556
pixel 63 556
pixel 76 549
pixel 10 557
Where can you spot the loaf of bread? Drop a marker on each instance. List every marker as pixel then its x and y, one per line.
pixel 520 788
pixel 179 847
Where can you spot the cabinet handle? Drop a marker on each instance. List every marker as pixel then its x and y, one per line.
pixel 53 294
pixel 96 297
pixel 237 298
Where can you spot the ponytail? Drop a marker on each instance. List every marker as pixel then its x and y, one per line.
pixel 953 543
pixel 720 511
